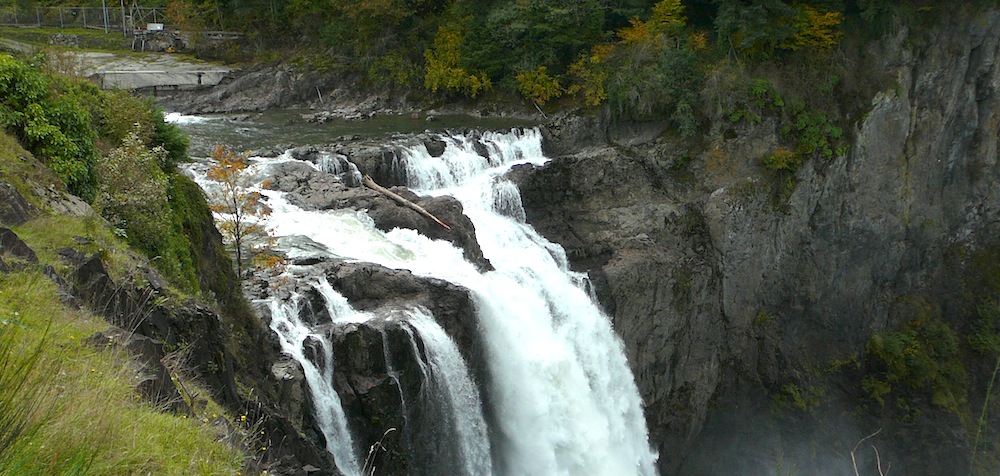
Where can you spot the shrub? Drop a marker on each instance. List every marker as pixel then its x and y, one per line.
pixel 985 335
pixel 814 131
pixel 133 197
pixel 538 86
pixel 782 159
pixel 54 127
pixel 922 356
pixel 133 190
pixel 443 70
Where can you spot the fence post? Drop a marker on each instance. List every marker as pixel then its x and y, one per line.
pixel 38 16
pixel 61 24
pixel 84 10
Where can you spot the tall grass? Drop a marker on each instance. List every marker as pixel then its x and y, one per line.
pixel 69 407
pixel 19 383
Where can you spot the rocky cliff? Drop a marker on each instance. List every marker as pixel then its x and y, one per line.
pixel 748 314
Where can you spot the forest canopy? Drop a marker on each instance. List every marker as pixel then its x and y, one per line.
pixel 641 56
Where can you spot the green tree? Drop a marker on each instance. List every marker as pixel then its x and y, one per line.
pixel 443 70
pixel 521 35
pixel 133 193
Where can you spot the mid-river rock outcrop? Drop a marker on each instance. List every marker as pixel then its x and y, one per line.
pixel 380 363
pixel 732 298
pixel 313 189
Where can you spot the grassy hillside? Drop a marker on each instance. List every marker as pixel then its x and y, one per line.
pixel 68 402
pixel 72 398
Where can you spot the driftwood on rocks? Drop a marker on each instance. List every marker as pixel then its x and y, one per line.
pixel 368 182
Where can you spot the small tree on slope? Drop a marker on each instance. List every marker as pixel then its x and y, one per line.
pixel 243 215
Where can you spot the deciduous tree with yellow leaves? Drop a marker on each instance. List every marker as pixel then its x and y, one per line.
pixel 241 210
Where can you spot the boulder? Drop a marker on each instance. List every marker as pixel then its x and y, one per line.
pixel 389 214
pixel 377 160
pixel 14 209
pixel 312 189
pixel 15 249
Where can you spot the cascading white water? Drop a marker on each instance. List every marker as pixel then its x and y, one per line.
pixel 293 334
pixel 563 399
pixel 451 396
pixel 454 406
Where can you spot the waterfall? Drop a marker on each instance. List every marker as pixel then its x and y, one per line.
pixel 449 404
pixel 563 394
pixel 451 424
pixel 294 336
pixel 563 400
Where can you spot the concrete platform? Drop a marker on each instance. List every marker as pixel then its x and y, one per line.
pixel 149 71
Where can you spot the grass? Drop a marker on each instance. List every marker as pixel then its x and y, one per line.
pixel 67 406
pixel 76 404
pixel 46 234
pixel 20 169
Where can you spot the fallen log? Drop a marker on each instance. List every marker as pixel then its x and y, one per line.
pixel 368 182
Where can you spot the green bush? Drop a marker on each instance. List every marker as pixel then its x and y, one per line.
pixel 538 86
pixel 54 127
pixel 814 131
pixel 782 160
pixel 136 196
pixel 985 335
pixel 923 356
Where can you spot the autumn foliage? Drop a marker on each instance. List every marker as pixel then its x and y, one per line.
pixel 241 210
pixel 443 69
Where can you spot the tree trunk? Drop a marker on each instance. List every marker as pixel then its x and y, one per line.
pixel 368 182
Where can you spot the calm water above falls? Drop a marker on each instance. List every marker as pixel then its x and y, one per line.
pixel 564 398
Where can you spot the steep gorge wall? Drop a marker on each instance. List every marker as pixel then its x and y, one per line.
pixel 724 296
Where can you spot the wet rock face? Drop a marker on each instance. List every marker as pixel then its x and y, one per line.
pixel 369 287
pixel 722 296
pixel 379 364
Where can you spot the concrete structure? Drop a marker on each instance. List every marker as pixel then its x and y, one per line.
pixel 158 79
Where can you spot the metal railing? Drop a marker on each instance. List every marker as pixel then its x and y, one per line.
pixel 107 19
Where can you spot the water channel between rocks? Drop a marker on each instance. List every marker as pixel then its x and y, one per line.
pixel 556 396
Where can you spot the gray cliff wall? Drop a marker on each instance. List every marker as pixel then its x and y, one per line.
pixel 722 295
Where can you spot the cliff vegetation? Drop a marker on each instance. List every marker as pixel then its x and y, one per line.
pixel 122 329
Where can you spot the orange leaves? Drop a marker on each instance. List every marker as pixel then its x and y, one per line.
pixel 243 213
